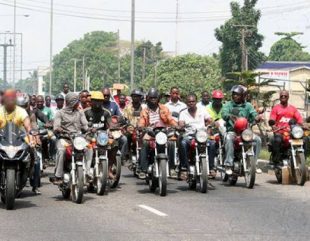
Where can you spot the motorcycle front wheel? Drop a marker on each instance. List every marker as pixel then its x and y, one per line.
pixel 300 171
pixel 162 177
pixel 117 167
pixel 250 174
pixel 78 188
pixel 102 179
pixel 10 189
pixel 203 178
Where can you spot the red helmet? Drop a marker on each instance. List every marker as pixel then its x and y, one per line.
pixel 217 94
pixel 240 125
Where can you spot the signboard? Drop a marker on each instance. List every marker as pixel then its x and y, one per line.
pixel 277 75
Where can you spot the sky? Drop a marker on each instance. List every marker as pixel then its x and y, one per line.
pixel 155 22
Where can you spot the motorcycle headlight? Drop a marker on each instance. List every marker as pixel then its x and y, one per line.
pixel 116 134
pixel 297 132
pixel 11 151
pixel 161 138
pixel 201 136
pixel 79 143
pixel 247 135
pixel 102 139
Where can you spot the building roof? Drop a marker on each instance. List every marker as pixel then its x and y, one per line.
pixel 287 65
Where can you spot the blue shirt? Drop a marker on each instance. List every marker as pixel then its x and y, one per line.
pixel 113 108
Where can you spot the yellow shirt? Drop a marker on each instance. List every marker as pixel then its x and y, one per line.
pixel 17 117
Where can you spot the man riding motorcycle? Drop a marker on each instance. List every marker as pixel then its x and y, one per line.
pixel 233 109
pixel 174 105
pixel 280 117
pixel 154 114
pixel 68 120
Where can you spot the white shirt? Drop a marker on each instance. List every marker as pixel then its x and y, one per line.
pixel 194 123
pixel 175 108
pixel 202 106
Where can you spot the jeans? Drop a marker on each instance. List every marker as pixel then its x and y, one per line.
pixel 147 156
pixel 123 146
pixel 229 147
pixel 35 179
pixel 211 153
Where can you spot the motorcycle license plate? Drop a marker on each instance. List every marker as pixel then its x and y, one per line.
pixel 299 142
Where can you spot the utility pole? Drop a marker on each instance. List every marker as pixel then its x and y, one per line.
pixel 132 66
pixel 143 66
pixel 177 28
pixel 5 51
pixel 14 47
pixel 245 32
pixel 51 46
pixel 119 57
pixel 83 74
pixel 74 76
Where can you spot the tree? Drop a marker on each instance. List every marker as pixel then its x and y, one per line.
pixel 229 34
pixel 191 73
pixel 288 49
pixel 28 85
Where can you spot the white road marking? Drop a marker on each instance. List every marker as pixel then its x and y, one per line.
pixel 153 210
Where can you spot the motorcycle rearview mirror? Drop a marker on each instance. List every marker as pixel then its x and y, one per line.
pixel 292 122
pixel 271 122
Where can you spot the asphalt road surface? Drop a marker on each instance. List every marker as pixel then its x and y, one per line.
pixel 268 212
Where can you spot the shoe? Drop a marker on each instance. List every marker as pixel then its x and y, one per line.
pixel 56 180
pixel 36 191
pixel 173 173
pixel 228 170
pixel 142 175
pixel 259 171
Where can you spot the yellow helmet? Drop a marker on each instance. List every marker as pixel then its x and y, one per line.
pixel 96 95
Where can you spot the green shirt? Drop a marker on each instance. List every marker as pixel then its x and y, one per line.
pixel 245 110
pixel 49 114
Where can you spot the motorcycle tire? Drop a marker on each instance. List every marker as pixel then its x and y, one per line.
pixel 10 189
pixel 300 171
pixel 118 168
pixel 251 174
pixel 203 178
pixel 153 183
pixel 102 180
pixel 232 180
pixel 162 179
pixel 66 193
pixel 224 177
pixel 78 188
pixel 192 184
pixel 278 174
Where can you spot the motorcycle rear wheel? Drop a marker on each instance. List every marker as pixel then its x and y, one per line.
pixel 118 168
pixel 300 171
pixel 250 175
pixel 232 180
pixel 10 189
pixel 78 188
pixel 162 179
pixel 66 193
pixel 102 180
pixel 203 178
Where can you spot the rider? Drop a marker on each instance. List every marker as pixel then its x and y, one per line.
pixel 66 90
pixel 154 113
pixel 122 103
pixel 174 105
pixel 238 107
pixel 69 120
pixel 60 100
pixel 48 101
pixel 205 100
pixel 279 119
pixel 192 118
pixel 84 101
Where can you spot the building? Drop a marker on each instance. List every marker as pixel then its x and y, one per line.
pixel 292 76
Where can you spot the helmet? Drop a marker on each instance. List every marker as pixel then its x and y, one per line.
pixel 59 97
pixel 217 94
pixel 153 93
pixel 22 100
pixel 240 125
pixel 136 92
pixel 96 95
pixel 239 89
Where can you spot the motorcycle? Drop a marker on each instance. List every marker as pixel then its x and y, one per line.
pixel 244 164
pixel 157 173
pixel 292 154
pixel 173 136
pixel 74 166
pixel 135 149
pixel 15 163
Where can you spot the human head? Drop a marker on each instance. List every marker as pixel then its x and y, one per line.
pixel 217 97
pixel 72 101
pixel 66 88
pixel 60 100
pixel 174 94
pixel 96 100
pixel 191 101
pixel 33 99
pixel 122 99
pixel 48 101
pixel 284 96
pixel 205 97
pixel 9 99
pixel 23 100
pixel 237 92
pixel 40 102
pixel 84 98
pixel 106 94
pixel 152 98
pixel 136 96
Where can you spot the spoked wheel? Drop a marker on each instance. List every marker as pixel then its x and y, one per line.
pixel 10 189
pixel 116 168
pixel 300 171
pixel 250 173
pixel 102 178
pixel 162 179
pixel 203 178
pixel 78 188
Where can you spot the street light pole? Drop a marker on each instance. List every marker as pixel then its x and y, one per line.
pixel 132 66
pixel 51 47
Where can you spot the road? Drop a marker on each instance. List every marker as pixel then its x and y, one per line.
pixel 268 212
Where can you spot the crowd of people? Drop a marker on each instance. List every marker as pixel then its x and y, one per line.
pixel 72 112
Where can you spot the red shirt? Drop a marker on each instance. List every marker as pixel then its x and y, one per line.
pixel 283 114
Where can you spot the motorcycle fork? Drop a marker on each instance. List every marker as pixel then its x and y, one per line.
pixel 96 162
pixel 197 161
pixel 293 150
pixel 73 168
pixel 244 156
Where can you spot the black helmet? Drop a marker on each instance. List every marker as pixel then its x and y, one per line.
pixel 153 93
pixel 22 100
pixel 136 92
pixel 60 97
pixel 239 89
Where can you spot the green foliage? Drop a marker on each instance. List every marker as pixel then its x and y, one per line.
pixel 288 49
pixel 191 73
pixel 229 34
